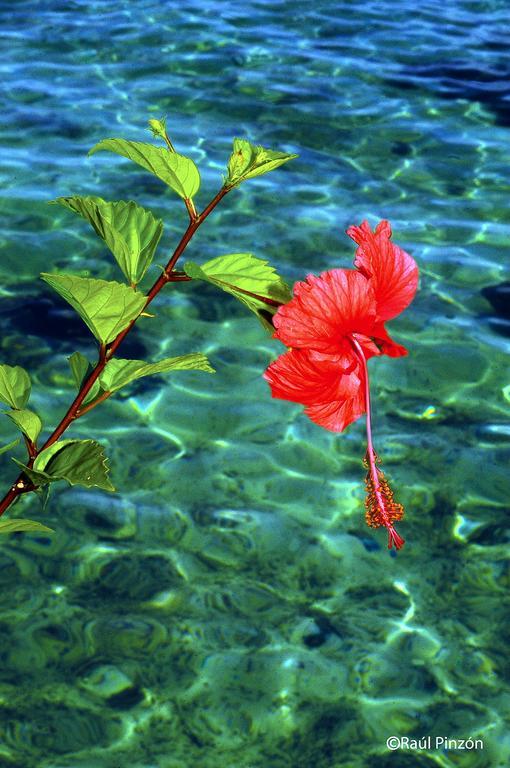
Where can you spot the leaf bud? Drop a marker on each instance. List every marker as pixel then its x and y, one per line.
pixel 158 127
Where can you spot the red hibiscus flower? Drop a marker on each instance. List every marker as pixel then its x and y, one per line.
pixel 332 326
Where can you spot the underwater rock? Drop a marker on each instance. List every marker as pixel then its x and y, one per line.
pixel 498 297
pixel 113 686
pixel 258 693
pixel 164 523
pixel 107 516
pixel 121 638
pixel 314 633
pixel 130 576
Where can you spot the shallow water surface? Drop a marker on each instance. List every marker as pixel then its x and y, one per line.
pixel 228 606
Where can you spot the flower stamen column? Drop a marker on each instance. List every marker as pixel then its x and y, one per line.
pixel 380 506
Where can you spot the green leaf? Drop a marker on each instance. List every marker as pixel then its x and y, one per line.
pixel 25 526
pixel 27 421
pixel 38 478
pixel 118 373
pixel 248 161
pixel 43 494
pixel 241 274
pixel 9 446
pixel 179 172
pixel 14 386
pixel 80 462
pixel 105 306
pixel 81 368
pixel 131 232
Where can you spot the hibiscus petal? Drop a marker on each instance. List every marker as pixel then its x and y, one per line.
pixel 386 343
pixel 392 272
pixel 337 415
pixel 303 376
pixel 325 310
pixel 367 345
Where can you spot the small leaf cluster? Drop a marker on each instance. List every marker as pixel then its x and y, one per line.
pixel 248 161
pixel 77 461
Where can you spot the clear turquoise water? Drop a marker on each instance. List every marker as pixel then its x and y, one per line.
pixel 228 606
